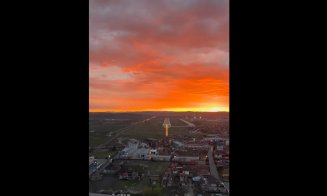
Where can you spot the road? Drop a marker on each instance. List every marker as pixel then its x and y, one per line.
pixel 103 164
pixel 212 165
pixel 189 124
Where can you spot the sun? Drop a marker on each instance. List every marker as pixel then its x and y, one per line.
pixel 214 109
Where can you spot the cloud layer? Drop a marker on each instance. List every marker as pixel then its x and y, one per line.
pixel 158 55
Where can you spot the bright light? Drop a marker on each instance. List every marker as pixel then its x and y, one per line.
pixel 199 109
pixel 215 109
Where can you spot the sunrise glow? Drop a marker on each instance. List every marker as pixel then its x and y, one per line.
pixel 159 55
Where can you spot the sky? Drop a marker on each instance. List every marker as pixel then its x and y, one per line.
pixel 158 55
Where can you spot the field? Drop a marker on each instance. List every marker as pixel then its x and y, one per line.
pixel 221 127
pixel 103 126
pixel 154 129
pixel 112 183
pixel 174 121
pixel 104 153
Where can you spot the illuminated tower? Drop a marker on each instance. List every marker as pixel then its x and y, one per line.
pixel 166 124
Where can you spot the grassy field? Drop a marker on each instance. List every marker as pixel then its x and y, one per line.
pixel 176 122
pixel 155 190
pixel 158 167
pixel 97 138
pixel 102 125
pixel 154 129
pixel 154 168
pixel 143 185
pixel 104 153
pixel 101 129
pixel 220 127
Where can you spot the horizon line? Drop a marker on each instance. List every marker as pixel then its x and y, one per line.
pixel 152 111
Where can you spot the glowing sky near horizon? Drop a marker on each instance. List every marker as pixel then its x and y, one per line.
pixel 159 55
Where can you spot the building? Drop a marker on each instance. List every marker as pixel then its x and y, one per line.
pixel 177 143
pixel 225 173
pixel 153 152
pixel 135 150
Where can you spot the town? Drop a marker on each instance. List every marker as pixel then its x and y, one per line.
pixel 158 153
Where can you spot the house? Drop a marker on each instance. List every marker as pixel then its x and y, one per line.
pixel 123 175
pixel 153 152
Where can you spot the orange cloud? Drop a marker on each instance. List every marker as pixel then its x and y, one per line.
pixel 159 55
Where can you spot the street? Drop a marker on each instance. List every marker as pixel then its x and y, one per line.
pixel 213 168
